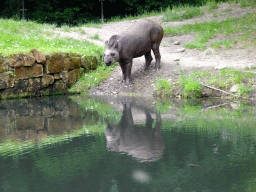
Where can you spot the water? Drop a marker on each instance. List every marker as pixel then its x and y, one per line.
pixel 117 144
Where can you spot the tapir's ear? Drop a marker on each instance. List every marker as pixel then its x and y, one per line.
pixel 115 46
pixel 106 43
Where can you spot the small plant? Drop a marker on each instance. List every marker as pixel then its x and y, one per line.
pixel 65 28
pixel 211 5
pixel 200 73
pixel 163 87
pixel 181 13
pixel 191 86
pixel 243 91
pixel 11 73
pixel 91 79
pixel 95 36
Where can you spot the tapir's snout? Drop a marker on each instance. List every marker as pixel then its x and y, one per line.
pixel 108 63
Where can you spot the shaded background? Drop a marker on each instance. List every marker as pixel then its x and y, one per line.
pixel 78 11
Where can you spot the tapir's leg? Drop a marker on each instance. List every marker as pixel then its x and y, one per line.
pixel 126 67
pixel 157 54
pixel 148 58
pixel 123 67
pixel 128 72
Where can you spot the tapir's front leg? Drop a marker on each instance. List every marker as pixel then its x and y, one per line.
pixel 123 67
pixel 126 69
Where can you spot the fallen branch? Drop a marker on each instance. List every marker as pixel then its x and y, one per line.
pixel 215 106
pixel 223 91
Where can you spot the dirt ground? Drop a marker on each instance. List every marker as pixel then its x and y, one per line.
pixel 172 61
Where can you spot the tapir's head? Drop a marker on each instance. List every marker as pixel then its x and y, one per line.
pixel 111 54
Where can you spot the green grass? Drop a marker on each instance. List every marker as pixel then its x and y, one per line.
pixel 21 36
pixel 91 24
pixel 91 79
pixel 181 13
pixel 191 86
pixel 163 87
pixel 130 17
pixel 226 44
pixel 200 73
pixel 244 28
pixel 245 3
pixel 229 77
pixel 95 36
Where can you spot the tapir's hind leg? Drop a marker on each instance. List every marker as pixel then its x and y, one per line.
pixel 148 58
pixel 155 49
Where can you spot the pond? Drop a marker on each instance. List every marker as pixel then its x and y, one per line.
pixel 116 144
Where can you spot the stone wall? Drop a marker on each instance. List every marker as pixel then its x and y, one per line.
pixel 37 74
pixel 36 118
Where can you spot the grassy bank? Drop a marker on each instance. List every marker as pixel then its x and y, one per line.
pixel 21 36
pixel 194 85
pixel 233 30
pixel 182 12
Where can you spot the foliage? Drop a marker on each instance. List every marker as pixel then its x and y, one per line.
pixel 163 87
pixel 91 79
pixel 181 13
pixel 191 86
pixel 78 12
pixel 244 28
pixel 20 36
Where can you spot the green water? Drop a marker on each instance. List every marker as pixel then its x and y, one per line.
pixel 127 144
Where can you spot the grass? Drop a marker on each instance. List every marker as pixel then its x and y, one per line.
pixel 181 13
pixel 21 36
pixel 163 87
pixel 191 86
pixel 130 17
pixel 244 28
pixel 91 79
pixel 95 36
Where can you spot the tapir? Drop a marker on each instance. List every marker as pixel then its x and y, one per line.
pixel 145 35
pixel 144 142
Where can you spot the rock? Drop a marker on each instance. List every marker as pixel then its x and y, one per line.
pixel 4 80
pixel 55 64
pixel 47 80
pixel 89 62
pixel 59 87
pixel 176 43
pixel 73 77
pixel 181 50
pixel 75 63
pixel 57 76
pixel 22 60
pixel 176 59
pixel 3 65
pixel 26 122
pixel 16 61
pixel 29 60
pixel 222 66
pixel 234 106
pixel 21 86
pixel 64 76
pixel 66 64
pixel 48 111
pixel 39 57
pixel 234 88
pixel 28 72
pixel 34 86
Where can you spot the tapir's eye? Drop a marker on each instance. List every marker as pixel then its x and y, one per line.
pixel 112 54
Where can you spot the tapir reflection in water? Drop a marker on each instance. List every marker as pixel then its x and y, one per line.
pixel 144 143
pixel 138 40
